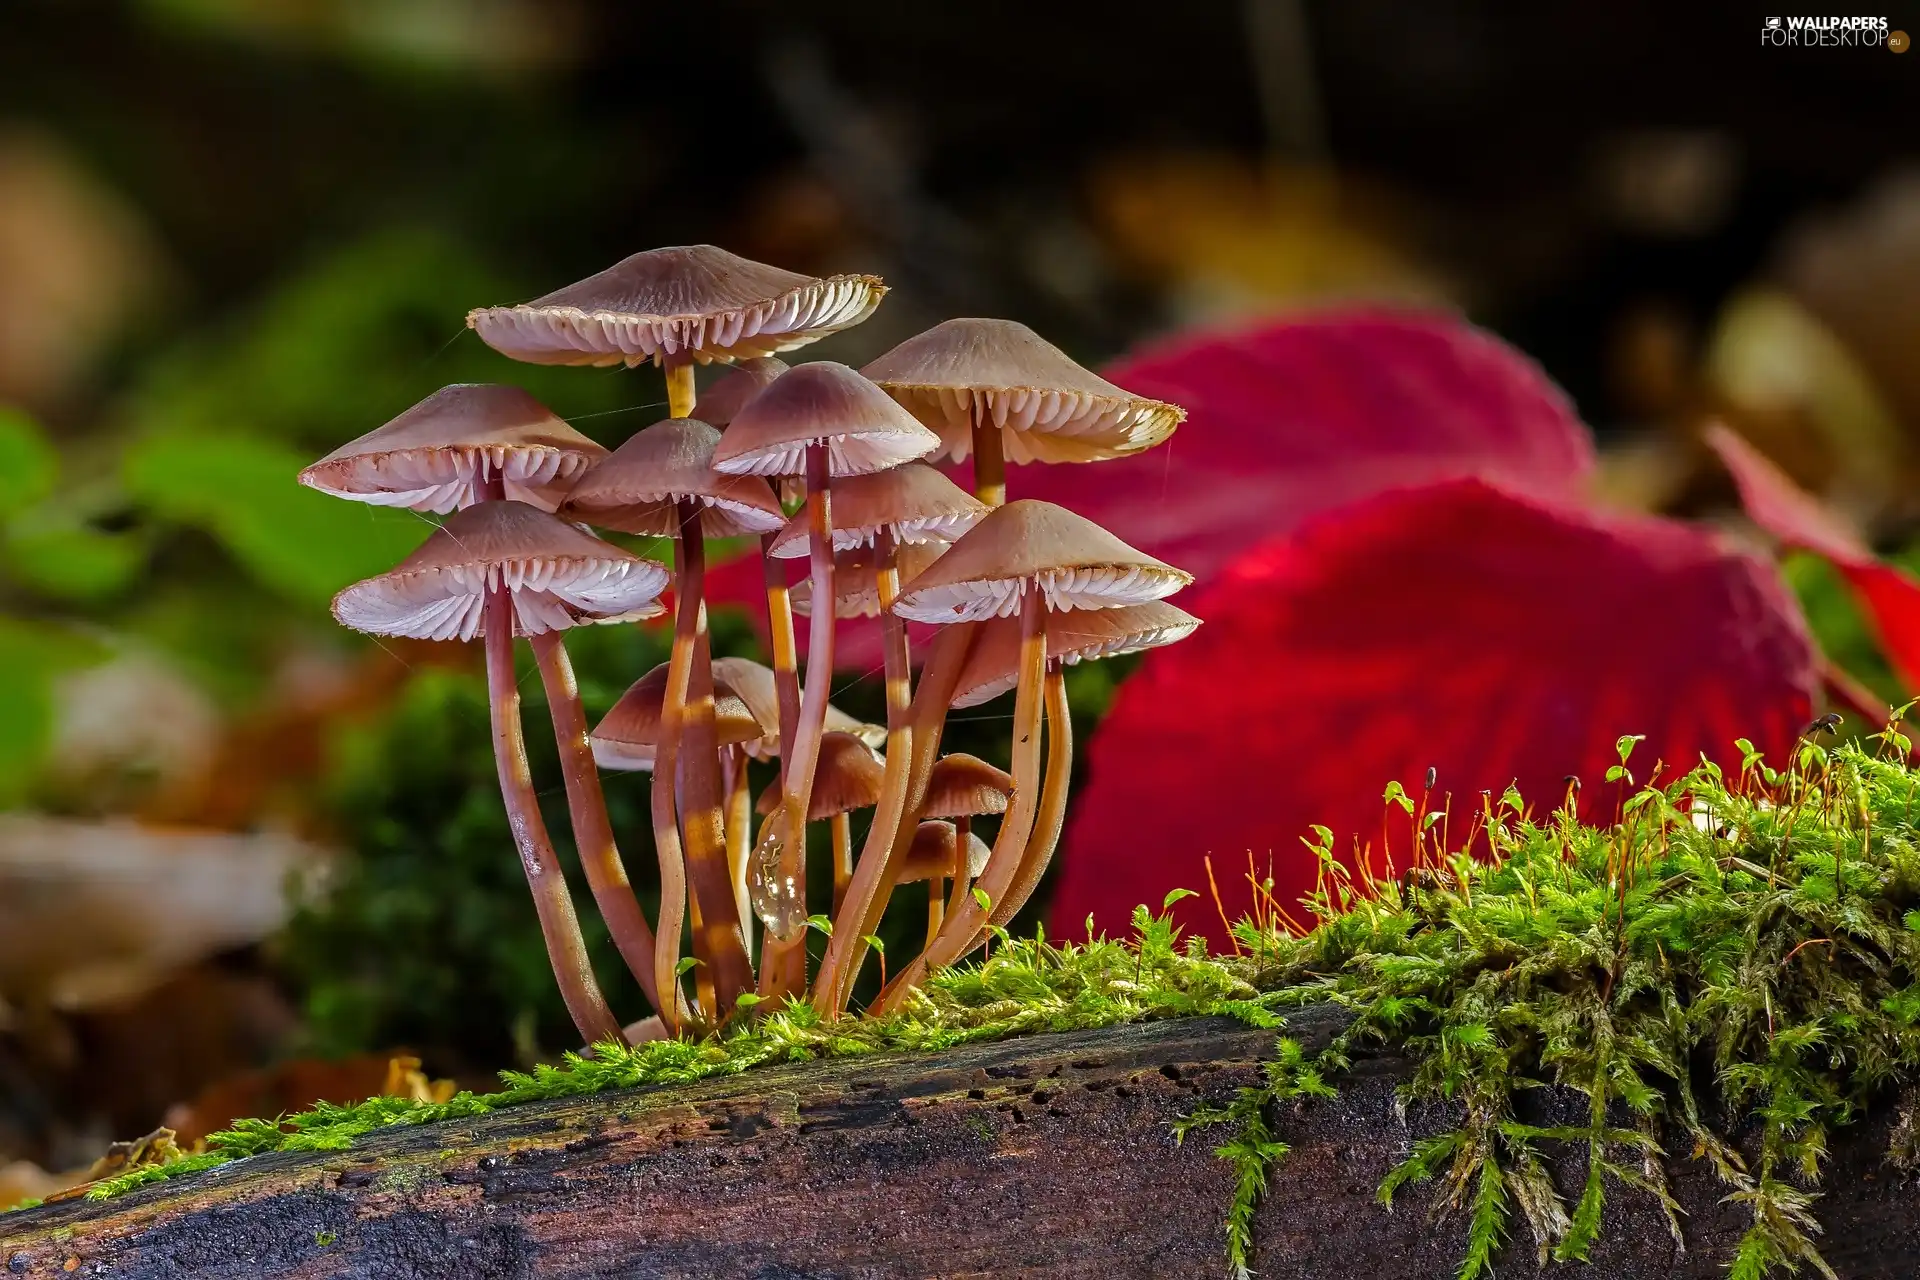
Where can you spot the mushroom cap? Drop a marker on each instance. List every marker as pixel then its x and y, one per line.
pixel 690 302
pixel 913 501
pixel 435 456
pixel 856 580
pixel 993 666
pixel 1048 408
pixel 847 777
pixel 732 389
pixel 637 487
pixel 864 430
pixel 933 855
pixel 558 575
pixel 754 683
pixel 964 786
pixel 1076 563
pixel 629 733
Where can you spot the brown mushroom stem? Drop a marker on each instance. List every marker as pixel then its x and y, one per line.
pixel 733 779
pixel 962 881
pixel 841 825
pixel 959 933
pixel 680 389
pixel 1052 813
pixel 719 941
pixel 888 814
pixel 786 662
pixel 566 949
pixel 784 960
pixel 989 459
pixel 592 832
pixel 895 819
pixel 936 905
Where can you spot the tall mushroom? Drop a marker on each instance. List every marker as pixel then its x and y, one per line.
pixel 661 483
pixel 461 445
pixel 494 570
pixel 822 420
pixel 911 506
pixel 1080 636
pixel 934 856
pixel 997 390
pixel 1025 559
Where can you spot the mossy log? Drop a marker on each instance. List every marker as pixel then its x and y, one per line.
pixel 1044 1156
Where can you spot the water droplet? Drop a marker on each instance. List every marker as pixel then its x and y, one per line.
pixel 778 897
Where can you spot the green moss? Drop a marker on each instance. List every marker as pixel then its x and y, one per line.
pixel 1762 934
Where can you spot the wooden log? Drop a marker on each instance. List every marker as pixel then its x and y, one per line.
pixel 1044 1156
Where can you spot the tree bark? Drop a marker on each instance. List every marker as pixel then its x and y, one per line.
pixel 1047 1156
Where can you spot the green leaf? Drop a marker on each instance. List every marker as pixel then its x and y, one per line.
pixel 32 658
pixel 245 493
pixel 1166 904
pixel 873 941
pixel 68 561
pixel 980 896
pixel 28 464
pixel 1626 743
pixel 823 923
pixel 747 999
pixel 686 965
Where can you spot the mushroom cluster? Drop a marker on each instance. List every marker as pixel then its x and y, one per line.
pixel 1020 590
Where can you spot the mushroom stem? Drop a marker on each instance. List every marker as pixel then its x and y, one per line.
pixel 718 938
pixel 889 812
pixel 962 882
pixel 680 389
pixel 786 663
pixel 842 827
pixel 783 969
pixel 1052 812
pixel 566 949
pixel 733 779
pixel 958 935
pixel 592 832
pixel 936 904
pixel 989 461
pixel 891 836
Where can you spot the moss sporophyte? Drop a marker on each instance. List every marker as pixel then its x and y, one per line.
pixel 1761 933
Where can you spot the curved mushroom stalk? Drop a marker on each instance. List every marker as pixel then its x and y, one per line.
pixel 566 949
pixel 1051 815
pixel 739 815
pixel 599 853
pixel 957 934
pixel 786 919
pixel 688 758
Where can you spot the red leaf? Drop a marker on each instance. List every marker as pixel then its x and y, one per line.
pixel 1303 415
pixel 1495 637
pixel 1890 596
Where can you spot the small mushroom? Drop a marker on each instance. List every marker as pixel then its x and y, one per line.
pixel 934 857
pixel 494 570
pixel 628 736
pixel 850 776
pixel 822 420
pixel 962 787
pixel 998 390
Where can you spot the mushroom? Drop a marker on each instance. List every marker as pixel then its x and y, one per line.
pixel 962 787
pixel 444 452
pixel 493 570
pixel 998 390
pixel 1080 636
pixel 915 506
pixel 1025 558
pixel 628 736
pixel 823 420
pixel 660 483
pixel 466 444
pixel 849 776
pixel 933 857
